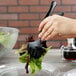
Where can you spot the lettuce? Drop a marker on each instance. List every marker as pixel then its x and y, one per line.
pixel 4 39
pixel 35 64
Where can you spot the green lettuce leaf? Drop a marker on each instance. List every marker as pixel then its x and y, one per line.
pixel 4 39
pixel 35 64
pixel 23 58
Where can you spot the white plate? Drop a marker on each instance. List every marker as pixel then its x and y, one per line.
pixel 18 70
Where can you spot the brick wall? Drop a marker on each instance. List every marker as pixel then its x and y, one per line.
pixel 27 14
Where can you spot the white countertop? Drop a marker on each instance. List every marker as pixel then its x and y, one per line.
pixel 52 57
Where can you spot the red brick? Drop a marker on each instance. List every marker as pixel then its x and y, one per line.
pixel 8 16
pixel 35 37
pixel 39 8
pixel 27 2
pixel 19 44
pixel 47 2
pixel 3 23
pixel 64 43
pixel 19 9
pixel 16 46
pixel 63 8
pixel 54 44
pixel 74 8
pixel 8 2
pixel 42 16
pixel 29 30
pixel 18 23
pixel 28 16
pixel 22 37
pixel 69 2
pixel 71 15
pixel 3 9
pixel 35 23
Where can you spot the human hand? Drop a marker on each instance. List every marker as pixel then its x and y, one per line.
pixel 57 26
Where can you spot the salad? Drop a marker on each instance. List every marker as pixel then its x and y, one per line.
pixel 2 38
pixel 24 57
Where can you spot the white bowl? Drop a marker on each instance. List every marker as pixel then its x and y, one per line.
pixel 19 70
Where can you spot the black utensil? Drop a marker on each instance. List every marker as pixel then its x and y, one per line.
pixel 52 7
pixel 37 47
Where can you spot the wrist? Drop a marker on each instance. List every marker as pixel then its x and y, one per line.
pixel 73 29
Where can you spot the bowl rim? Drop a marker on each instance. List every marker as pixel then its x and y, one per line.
pixel 15 29
pixel 45 66
pixel 12 28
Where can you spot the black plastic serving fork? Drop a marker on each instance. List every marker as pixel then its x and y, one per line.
pixel 37 47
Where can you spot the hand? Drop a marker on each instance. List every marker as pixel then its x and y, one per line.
pixel 57 26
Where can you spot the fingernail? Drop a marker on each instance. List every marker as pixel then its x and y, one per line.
pixel 42 38
pixel 46 39
pixel 39 35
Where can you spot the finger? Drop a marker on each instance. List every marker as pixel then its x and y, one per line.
pixel 43 23
pixel 45 28
pixel 54 33
pixel 46 20
pixel 49 31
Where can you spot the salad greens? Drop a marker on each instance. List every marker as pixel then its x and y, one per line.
pixel 30 61
pixel 24 57
pixel 4 39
